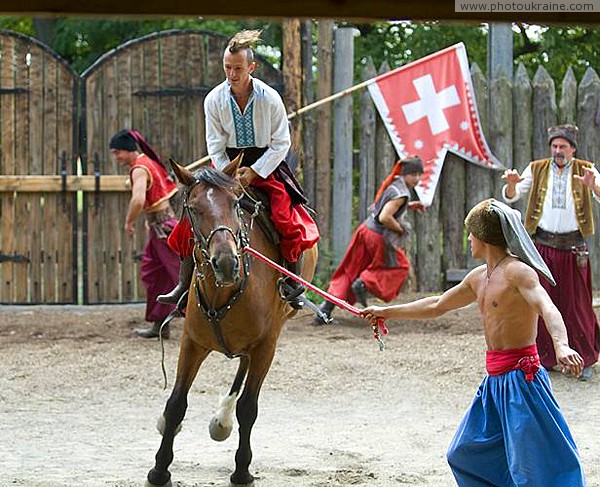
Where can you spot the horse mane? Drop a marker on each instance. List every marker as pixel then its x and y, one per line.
pixel 215 178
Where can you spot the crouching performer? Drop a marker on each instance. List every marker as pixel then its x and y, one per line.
pixel 514 433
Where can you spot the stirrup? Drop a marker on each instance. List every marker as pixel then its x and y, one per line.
pixel 290 294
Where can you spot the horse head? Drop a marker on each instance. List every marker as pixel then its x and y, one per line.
pixel 212 206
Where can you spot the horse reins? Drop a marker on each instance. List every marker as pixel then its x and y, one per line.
pixel 213 314
pixel 378 329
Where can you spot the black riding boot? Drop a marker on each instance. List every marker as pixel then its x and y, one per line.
pixel 291 289
pixel 154 330
pixel 186 272
pixel 360 291
pixel 326 308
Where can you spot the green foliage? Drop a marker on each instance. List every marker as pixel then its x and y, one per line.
pixel 398 43
pixel 81 41
pixel 557 49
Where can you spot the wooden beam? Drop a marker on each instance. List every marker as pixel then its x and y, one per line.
pixel 348 9
pixel 54 184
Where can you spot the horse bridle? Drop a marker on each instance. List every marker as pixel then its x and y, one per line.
pixel 203 242
pixel 215 315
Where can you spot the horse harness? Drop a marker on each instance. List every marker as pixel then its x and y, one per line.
pixel 213 314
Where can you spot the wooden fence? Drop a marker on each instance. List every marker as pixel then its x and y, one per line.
pixel 515 115
pixel 54 144
pixel 58 248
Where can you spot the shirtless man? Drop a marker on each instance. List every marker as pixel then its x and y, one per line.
pixel 514 432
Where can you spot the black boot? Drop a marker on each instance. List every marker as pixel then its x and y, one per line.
pixel 186 272
pixel 290 289
pixel 326 308
pixel 360 291
pixel 154 330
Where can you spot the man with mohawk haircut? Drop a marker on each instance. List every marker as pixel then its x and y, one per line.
pixel 244 114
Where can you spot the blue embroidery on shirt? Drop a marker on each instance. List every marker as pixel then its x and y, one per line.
pixel 244 126
pixel 559 186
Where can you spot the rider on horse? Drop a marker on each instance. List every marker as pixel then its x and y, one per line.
pixel 245 114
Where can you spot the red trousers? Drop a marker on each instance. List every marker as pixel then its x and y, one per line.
pixel 297 230
pixel 572 295
pixel 159 272
pixel 365 258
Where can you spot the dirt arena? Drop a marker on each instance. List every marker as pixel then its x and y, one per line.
pixel 80 395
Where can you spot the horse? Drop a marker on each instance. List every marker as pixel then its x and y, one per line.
pixel 234 307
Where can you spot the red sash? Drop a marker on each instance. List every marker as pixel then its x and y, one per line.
pixel 498 362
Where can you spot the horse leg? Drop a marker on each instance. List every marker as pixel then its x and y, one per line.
pixel 222 422
pixel 247 409
pixel 190 358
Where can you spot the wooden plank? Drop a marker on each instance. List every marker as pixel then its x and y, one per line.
pixel 35 254
pixel 36 137
pixel 50 230
pixel 23 237
pixel 152 125
pixel 308 121
pixel 452 192
pixel 323 149
pixel 22 166
pixel 8 247
pixel 8 106
pixel 342 142
pixel 53 184
pixel 112 211
pixel 169 78
pixel 366 158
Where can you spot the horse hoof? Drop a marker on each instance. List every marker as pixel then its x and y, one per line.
pixel 157 481
pixel 218 431
pixel 168 484
pixel 161 425
pixel 246 481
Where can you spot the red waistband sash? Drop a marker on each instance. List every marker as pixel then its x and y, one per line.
pixel 498 362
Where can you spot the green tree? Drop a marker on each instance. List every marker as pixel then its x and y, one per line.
pixel 81 41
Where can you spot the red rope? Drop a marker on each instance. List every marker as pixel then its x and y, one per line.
pixel 378 329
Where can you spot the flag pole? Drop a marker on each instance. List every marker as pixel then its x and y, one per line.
pixel 302 110
pixel 339 94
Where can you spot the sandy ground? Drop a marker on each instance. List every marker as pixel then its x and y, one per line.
pixel 80 395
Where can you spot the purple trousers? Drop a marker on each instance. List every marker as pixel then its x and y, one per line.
pixel 159 273
pixel 572 295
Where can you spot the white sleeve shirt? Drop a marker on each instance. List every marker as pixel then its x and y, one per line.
pixel 555 218
pixel 269 119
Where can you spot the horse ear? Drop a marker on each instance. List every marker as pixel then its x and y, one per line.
pixel 183 175
pixel 232 168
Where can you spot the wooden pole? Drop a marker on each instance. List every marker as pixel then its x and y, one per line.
pixel 302 110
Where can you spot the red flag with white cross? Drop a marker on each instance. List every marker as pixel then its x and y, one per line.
pixel 428 107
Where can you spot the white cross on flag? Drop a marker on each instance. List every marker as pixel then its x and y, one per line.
pixel 428 108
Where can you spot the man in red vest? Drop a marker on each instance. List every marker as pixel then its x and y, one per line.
pixel 151 188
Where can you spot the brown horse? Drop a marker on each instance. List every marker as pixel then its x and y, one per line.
pixel 233 307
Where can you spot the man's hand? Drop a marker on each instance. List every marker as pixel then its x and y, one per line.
pixel 246 175
pixel 373 313
pixel 512 177
pixel 569 360
pixel 417 206
pixel 588 179
pixel 129 229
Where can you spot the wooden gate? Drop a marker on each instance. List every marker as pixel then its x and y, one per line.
pixel 38 139
pixel 63 201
